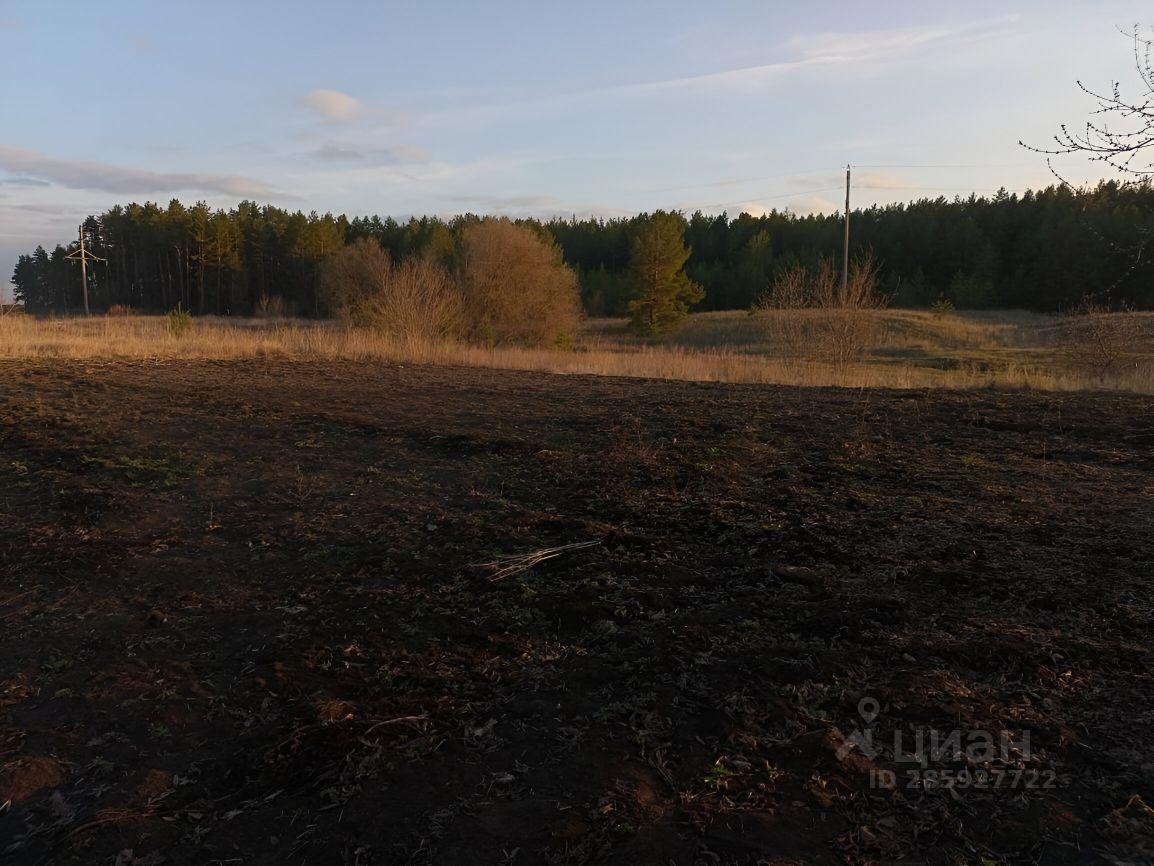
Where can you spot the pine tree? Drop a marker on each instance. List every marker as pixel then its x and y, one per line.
pixel 664 292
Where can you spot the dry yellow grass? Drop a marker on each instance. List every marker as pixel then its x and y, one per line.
pixel 914 350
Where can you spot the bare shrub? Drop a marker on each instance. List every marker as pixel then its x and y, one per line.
pixel 518 289
pixel 789 291
pixel 421 301
pixel 1099 340
pixel 810 312
pixel 851 323
pixel 778 312
pixel 269 307
pixel 415 300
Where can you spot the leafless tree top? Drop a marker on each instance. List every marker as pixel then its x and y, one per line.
pixel 1120 132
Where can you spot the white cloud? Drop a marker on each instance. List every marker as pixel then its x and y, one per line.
pixel 332 151
pixel 508 205
pixel 753 209
pixel 864 45
pixel 87 174
pixel 23 181
pixel 422 179
pixel 333 104
pixel 851 52
pixel 831 49
pixel 813 204
pixel 881 180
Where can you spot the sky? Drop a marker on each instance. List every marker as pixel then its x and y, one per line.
pixel 532 108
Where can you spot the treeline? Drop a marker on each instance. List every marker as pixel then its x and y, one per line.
pixel 1041 250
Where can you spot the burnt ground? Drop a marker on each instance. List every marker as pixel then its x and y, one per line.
pixel 247 618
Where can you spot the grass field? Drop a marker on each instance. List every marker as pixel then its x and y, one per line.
pixel 909 349
pixel 262 612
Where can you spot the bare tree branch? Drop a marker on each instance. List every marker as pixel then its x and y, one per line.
pixel 1124 136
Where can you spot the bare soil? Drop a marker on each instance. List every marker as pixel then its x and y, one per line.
pixel 247 615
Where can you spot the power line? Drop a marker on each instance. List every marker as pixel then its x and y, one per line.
pixel 808 171
pixel 944 165
pixel 913 189
pixel 939 188
pixel 756 198
pixel 861 186
pixel 734 182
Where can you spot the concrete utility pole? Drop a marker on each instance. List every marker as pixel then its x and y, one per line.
pixel 845 247
pixel 84 257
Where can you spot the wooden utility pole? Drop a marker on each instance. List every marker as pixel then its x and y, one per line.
pixel 845 246
pixel 84 257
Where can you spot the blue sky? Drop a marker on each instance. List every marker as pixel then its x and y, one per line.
pixel 533 108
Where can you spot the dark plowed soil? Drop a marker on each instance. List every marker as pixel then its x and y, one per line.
pixel 248 614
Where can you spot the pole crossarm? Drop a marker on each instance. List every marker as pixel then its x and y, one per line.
pixel 77 255
pixel 82 255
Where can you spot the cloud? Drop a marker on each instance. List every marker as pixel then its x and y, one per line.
pixel 44 209
pixel 881 180
pixel 23 181
pixel 808 193
pixel 333 104
pixel 845 51
pixel 813 204
pixel 868 44
pixel 505 204
pixel 86 174
pixel 540 206
pixel 830 49
pixel 753 209
pixel 345 153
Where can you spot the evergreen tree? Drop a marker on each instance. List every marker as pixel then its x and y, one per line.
pixel 664 292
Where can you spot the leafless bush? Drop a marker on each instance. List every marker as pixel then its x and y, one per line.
pixel 777 311
pixel 810 312
pixel 421 301
pixel 1099 340
pixel 852 325
pixel 269 307
pixel 518 290
pixel 791 290
pixel 415 300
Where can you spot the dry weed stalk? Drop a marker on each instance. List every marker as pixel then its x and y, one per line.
pixel 507 566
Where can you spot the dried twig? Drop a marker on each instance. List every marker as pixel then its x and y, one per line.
pixel 332 723
pixel 396 721
pixel 506 566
